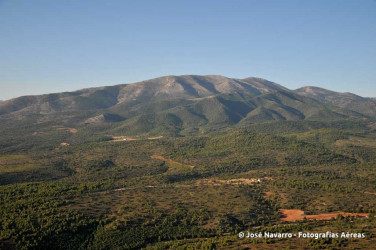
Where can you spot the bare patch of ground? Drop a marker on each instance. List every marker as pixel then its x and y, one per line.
pixel 71 130
pixel 123 138
pixel 237 181
pixel 369 193
pixel 297 214
pixel 155 137
pixel 267 194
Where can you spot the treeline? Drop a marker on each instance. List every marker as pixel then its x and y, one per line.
pixel 311 185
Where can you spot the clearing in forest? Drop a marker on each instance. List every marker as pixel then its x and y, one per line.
pixel 71 130
pixel 124 138
pixel 237 181
pixel 297 214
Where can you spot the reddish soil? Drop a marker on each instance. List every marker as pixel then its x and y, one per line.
pixel 71 130
pixel 267 194
pixel 296 214
pixel 370 193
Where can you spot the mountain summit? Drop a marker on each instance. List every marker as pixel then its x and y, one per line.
pixel 185 104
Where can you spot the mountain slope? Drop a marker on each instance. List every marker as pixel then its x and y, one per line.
pixel 348 101
pixel 175 105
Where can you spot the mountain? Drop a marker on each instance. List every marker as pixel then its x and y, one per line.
pixel 348 101
pixel 180 105
pixel 155 90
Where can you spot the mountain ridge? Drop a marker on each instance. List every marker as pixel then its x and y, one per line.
pixel 185 104
pixel 125 92
pixel 347 100
pixel 300 89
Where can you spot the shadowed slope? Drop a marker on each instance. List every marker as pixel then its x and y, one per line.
pixel 180 105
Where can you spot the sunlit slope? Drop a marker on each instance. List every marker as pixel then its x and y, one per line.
pixel 173 105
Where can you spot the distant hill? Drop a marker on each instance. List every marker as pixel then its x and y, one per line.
pixel 348 101
pixel 186 104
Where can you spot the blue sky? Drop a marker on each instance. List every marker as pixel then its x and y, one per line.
pixel 52 46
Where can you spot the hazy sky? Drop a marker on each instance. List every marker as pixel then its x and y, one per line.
pixel 52 46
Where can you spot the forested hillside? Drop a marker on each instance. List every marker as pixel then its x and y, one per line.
pixel 196 191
